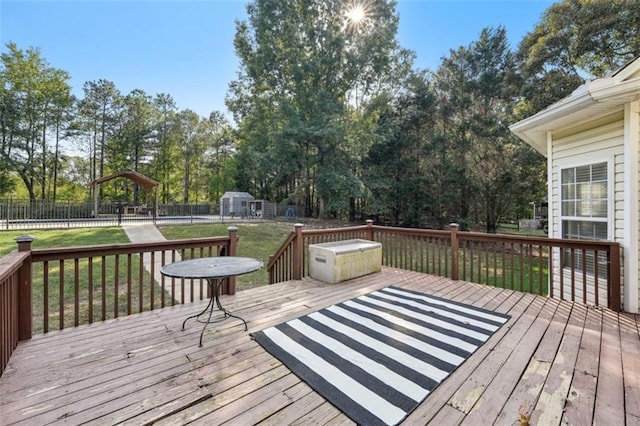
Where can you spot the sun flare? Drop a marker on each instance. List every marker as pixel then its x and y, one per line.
pixel 356 15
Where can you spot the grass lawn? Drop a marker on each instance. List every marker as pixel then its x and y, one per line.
pixel 66 238
pixel 63 237
pixel 257 240
pixel 512 229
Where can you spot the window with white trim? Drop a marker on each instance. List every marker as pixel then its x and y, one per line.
pixel 584 203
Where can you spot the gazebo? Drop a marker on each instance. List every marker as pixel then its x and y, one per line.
pixel 138 178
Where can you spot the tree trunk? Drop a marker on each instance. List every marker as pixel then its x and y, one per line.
pixel 43 178
pixel 55 159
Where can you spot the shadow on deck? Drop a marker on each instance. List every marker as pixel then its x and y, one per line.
pixel 556 361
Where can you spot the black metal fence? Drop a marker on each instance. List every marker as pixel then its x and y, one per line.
pixel 40 214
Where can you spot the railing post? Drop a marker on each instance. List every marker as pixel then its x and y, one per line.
pixel 233 240
pixel 613 295
pixel 298 252
pixel 454 250
pixel 270 271
pixel 24 290
pixel 370 229
pixel 233 246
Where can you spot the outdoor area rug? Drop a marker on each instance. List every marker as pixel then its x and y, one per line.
pixel 378 356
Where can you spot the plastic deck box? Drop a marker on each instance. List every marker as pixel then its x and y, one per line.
pixel 343 260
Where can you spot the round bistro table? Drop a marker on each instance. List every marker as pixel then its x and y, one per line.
pixel 215 270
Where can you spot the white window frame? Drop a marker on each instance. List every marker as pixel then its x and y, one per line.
pixel 586 160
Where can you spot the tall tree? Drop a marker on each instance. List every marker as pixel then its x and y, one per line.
pixel 400 170
pixel 220 143
pixel 31 91
pixel 56 100
pixel 129 145
pixel 479 84
pixel 575 39
pixel 164 146
pixel 97 115
pixel 191 148
pixel 304 63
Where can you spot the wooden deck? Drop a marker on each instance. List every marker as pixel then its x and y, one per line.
pixel 556 361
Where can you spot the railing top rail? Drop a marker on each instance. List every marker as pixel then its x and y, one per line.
pixel 43 254
pixel 542 241
pixel 411 231
pixel 329 231
pixel 11 262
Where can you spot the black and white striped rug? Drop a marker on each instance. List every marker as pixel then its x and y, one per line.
pixel 378 356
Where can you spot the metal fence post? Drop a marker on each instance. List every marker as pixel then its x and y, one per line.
pixel 9 208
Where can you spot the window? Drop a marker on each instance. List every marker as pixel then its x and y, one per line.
pixel 584 211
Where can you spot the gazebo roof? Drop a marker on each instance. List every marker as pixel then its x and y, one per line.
pixel 138 178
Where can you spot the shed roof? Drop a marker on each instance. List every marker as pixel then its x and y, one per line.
pixel 138 178
pixel 591 100
pixel 236 194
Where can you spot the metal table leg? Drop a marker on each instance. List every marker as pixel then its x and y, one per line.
pixel 214 301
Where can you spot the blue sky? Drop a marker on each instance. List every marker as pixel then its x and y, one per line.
pixel 185 48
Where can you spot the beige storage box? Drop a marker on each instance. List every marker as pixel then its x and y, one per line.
pixel 342 260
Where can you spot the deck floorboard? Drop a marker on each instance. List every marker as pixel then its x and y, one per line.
pixel 555 362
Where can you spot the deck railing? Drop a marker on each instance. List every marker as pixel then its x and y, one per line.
pixel 49 289
pixel 577 270
pixel 15 298
pixel 83 284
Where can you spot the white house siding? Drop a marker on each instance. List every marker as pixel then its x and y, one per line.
pixel 637 254
pixel 597 141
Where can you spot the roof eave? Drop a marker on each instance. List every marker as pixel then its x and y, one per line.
pixel 533 130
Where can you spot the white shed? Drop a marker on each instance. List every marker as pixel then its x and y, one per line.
pixel 234 203
pixel 591 140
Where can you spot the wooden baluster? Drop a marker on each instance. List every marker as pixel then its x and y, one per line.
pixel 61 295
pixel 116 280
pixel 90 288
pixel 76 291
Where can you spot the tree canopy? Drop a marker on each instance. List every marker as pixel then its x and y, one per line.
pixel 329 113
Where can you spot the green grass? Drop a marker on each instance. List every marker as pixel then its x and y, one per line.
pixel 512 229
pixel 63 238
pixel 125 299
pixel 79 237
pixel 254 240
pixel 480 265
pixel 513 274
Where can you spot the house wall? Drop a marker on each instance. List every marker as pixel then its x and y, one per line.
pixel 632 199
pixel 591 142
